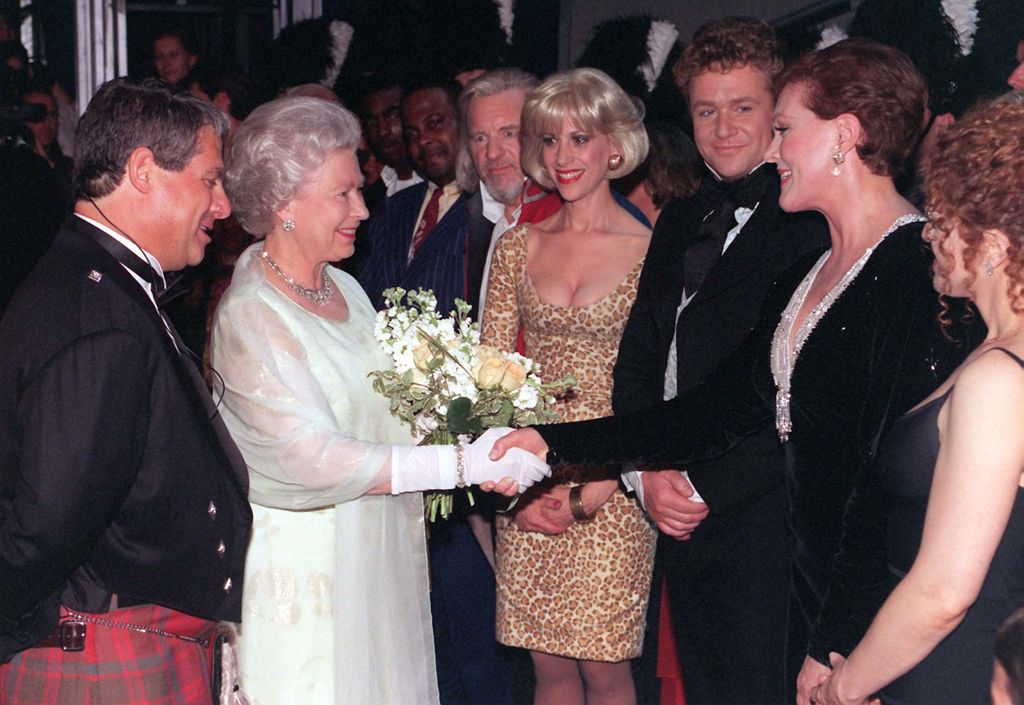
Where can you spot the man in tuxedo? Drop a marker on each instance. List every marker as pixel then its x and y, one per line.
pixel 419 239
pixel 123 511
pixel 711 262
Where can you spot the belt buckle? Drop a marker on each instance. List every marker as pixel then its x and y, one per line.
pixel 72 635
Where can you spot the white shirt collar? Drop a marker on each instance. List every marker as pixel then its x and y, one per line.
pixel 393 184
pixel 134 249
pixel 493 209
pixel 719 176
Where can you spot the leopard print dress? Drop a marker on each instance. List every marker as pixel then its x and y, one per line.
pixel 581 594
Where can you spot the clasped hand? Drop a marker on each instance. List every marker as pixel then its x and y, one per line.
pixel 506 473
pixel 667 500
pixel 829 685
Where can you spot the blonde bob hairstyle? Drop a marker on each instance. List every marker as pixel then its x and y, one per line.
pixel 275 152
pixel 595 103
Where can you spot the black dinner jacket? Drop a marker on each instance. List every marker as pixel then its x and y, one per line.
pixel 714 323
pixel 117 476
pixel 480 231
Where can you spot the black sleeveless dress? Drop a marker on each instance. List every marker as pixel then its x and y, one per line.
pixel 959 670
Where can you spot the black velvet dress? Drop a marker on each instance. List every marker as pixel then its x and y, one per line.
pixel 957 671
pixel 877 351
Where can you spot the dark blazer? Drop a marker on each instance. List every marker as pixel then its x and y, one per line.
pixel 116 474
pixel 728 586
pixel 878 351
pixel 479 231
pixel 718 318
pixel 439 264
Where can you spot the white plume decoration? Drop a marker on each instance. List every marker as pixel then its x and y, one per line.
pixel 661 37
pixel 341 38
pixel 831 34
pixel 506 17
pixel 963 14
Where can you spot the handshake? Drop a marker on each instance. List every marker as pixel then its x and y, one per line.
pixel 501 460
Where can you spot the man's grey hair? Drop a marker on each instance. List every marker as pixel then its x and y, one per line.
pixel 125 115
pixel 488 84
pixel 276 149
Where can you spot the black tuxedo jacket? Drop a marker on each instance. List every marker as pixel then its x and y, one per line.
pixel 479 232
pixel 718 318
pixel 117 476
pixel 440 262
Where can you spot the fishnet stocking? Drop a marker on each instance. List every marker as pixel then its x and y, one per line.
pixel 566 681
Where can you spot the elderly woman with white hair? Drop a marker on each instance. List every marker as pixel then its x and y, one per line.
pixel 335 607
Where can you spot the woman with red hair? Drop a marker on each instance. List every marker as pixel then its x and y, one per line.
pixel 954 465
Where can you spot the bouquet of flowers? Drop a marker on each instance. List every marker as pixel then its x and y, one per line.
pixel 447 386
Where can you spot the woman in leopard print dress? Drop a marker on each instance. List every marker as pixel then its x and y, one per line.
pixel 574 560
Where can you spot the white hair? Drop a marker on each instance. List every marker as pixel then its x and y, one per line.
pixel 276 149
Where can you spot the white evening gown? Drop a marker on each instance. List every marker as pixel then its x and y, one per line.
pixel 335 606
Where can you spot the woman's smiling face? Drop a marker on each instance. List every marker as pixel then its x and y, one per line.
pixel 576 159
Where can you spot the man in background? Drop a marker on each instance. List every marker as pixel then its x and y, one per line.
pixel 174 57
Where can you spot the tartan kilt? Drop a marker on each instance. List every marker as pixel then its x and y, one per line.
pixel 118 666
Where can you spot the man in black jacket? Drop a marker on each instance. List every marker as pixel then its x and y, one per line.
pixel 711 263
pixel 123 512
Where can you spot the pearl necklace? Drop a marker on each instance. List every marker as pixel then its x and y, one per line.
pixel 318 296
pixel 783 359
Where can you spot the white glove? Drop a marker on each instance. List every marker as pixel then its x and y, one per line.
pixel 418 468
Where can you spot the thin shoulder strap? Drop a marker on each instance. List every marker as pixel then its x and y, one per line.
pixel 1019 361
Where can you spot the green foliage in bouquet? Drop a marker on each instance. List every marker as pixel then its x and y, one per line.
pixel 446 386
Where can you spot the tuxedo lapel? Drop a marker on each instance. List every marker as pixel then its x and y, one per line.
pixel 742 257
pixel 190 380
pixel 480 232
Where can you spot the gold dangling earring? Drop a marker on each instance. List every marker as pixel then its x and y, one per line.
pixel 837 159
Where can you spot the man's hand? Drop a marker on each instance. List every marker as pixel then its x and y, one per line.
pixel 812 674
pixel 667 500
pixel 525 438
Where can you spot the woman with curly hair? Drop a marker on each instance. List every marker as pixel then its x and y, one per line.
pixel 953 464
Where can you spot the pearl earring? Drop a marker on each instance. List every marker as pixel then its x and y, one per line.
pixel 837 159
pixel 288 225
pixel 987 266
pixel 614 162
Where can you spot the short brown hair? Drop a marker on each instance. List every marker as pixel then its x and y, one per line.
pixel 974 181
pixel 874 82
pixel 728 43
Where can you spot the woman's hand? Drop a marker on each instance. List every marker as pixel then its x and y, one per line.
pixel 828 693
pixel 550 513
pixel 543 513
pixel 812 674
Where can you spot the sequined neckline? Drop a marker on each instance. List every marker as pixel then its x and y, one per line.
pixel 783 359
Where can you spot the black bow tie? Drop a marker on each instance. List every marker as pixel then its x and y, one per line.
pixel 129 259
pixel 745 192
